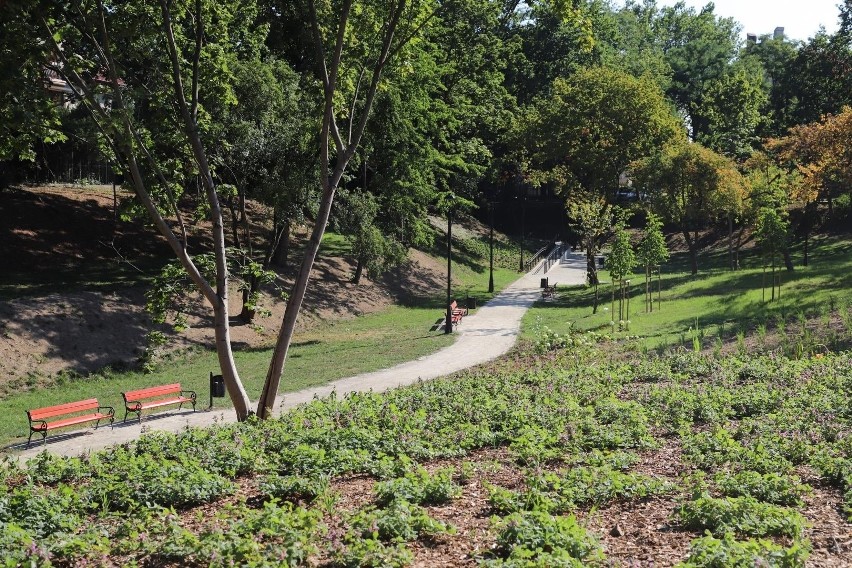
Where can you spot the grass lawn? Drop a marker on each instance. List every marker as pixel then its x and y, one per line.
pixel 716 300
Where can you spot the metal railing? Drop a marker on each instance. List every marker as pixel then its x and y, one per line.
pixel 534 259
pixel 551 258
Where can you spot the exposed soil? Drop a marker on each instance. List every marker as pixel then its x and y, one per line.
pixel 75 276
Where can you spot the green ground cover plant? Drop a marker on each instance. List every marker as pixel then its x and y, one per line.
pixel 202 493
pixel 727 552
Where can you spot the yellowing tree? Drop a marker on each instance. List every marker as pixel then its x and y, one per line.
pixel 822 153
pixel 690 185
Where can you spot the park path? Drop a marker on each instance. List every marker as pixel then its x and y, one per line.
pixel 482 336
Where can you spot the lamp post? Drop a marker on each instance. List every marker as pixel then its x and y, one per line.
pixel 448 324
pixel 523 230
pixel 491 247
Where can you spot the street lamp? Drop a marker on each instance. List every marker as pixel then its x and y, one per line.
pixel 491 247
pixel 448 324
pixel 523 230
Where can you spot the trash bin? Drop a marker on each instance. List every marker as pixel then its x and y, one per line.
pixel 217 387
pixel 600 260
pixel 470 303
pixel 544 283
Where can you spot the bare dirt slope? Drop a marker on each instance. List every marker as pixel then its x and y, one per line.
pixel 73 283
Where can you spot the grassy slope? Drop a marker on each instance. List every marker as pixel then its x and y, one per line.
pixel 718 299
pixel 327 352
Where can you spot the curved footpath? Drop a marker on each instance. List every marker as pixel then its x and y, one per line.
pixel 482 336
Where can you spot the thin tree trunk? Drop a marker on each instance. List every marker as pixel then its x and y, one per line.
pixel 220 306
pixel 359 268
pixel 788 261
pixel 345 150
pixel 282 247
pixel 731 241
pixel 692 245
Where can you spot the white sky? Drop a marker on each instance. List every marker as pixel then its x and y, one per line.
pixel 799 18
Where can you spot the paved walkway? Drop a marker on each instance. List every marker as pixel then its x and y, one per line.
pixel 482 336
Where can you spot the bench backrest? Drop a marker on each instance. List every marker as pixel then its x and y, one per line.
pixel 63 409
pixel 453 305
pixel 151 392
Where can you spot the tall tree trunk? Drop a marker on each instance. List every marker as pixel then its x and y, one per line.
pixel 788 260
pixel 359 268
pixel 282 246
pixel 330 179
pixel 220 305
pixel 591 268
pixel 692 245
pixel 731 241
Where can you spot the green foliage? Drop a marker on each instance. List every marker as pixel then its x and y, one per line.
pixel 621 259
pixel 143 480
pixel 741 515
pixel 769 487
pixel 536 538
pixel 419 487
pixel 399 521
pixel 652 249
pixel 373 553
pixel 582 486
pixel 294 487
pixel 710 552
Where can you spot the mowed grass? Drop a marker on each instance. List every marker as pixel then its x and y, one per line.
pixel 716 300
pixel 326 352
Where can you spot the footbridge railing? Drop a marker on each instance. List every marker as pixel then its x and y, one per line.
pixel 550 258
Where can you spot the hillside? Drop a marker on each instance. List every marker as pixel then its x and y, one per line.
pixel 72 296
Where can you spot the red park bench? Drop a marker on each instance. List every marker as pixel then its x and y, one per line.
pixel 457 313
pixel 154 397
pixel 74 413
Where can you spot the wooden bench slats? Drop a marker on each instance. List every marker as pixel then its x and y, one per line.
pixel 72 421
pixel 152 392
pixel 163 402
pixel 60 409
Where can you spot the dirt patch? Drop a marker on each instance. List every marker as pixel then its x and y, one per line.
pixel 68 238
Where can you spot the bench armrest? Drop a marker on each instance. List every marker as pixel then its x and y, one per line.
pixel 110 410
pixel 191 394
pixel 42 424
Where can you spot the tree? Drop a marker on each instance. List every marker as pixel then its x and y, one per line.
pixel 822 153
pixel 373 250
pixel 652 251
pixel 27 112
pixel 775 57
pixel 772 231
pixel 149 78
pixel 821 77
pixel 699 48
pixel 732 107
pixel 591 127
pixel 591 217
pixel 366 39
pixel 690 185
pixel 261 150
pixel 621 262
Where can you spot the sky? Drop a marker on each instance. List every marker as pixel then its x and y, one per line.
pixel 799 18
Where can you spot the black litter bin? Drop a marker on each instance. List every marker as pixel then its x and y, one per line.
pixel 544 283
pixel 470 303
pixel 217 387
pixel 600 260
